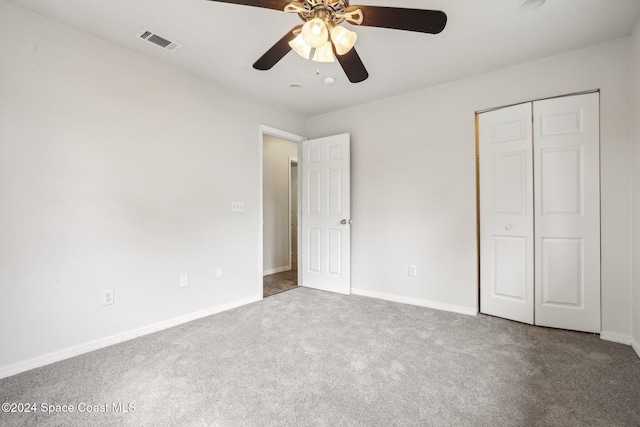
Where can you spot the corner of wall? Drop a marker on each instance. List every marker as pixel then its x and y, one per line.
pixel 636 347
pixel 103 213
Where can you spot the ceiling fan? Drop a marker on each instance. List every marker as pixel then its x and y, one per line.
pixel 322 38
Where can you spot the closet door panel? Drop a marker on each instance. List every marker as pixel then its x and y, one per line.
pixel 506 213
pixel 567 216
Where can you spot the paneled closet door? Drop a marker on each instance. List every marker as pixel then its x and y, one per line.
pixel 506 213
pixel 567 215
pixel 540 212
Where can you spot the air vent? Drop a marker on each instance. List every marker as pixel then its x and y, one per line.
pixel 150 36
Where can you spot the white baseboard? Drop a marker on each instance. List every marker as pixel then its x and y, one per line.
pixel 36 362
pixel 613 337
pixel 636 347
pixel 419 302
pixel 276 270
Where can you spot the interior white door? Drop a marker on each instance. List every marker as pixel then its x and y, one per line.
pixel 567 218
pixel 506 213
pixel 326 214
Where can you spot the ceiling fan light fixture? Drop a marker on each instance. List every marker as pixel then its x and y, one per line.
pixel 318 40
pixel 300 47
pixel 315 33
pixel 324 53
pixel 343 39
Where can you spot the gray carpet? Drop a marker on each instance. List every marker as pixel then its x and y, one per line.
pixel 310 358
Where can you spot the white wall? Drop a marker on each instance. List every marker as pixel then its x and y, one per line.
pixel 117 171
pixel 635 129
pixel 276 155
pixel 413 179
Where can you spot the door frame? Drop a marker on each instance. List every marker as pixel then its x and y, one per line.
pixel 290 240
pixel 298 139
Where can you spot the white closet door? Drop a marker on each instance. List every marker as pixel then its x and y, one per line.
pixel 567 217
pixel 506 213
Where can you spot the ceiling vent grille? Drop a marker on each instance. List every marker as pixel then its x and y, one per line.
pixel 151 37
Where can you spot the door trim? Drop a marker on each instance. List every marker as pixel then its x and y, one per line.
pixel 486 110
pixel 291 163
pixel 298 139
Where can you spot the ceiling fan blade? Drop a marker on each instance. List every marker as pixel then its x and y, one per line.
pixel 420 20
pixel 267 4
pixel 353 66
pixel 277 51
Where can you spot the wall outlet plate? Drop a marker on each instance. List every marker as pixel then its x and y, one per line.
pixel 184 280
pixel 218 272
pixel 107 297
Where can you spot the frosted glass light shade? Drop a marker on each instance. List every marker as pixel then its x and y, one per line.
pixel 324 53
pixel 300 47
pixel 528 5
pixel 315 33
pixel 343 39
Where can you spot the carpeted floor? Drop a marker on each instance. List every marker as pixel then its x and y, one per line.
pixel 280 282
pixel 311 358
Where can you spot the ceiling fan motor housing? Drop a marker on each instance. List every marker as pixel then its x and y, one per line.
pixel 330 12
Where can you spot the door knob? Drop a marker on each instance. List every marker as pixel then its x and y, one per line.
pixel 345 221
pixel 507 227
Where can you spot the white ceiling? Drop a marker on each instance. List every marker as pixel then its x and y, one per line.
pixel 221 42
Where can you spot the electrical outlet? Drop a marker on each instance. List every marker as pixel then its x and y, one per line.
pixel 218 272
pixel 107 297
pixel 184 280
pixel 413 271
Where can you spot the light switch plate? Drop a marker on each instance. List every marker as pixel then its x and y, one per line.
pixel 413 271
pixel 237 206
pixel 184 280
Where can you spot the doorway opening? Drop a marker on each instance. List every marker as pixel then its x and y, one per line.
pixel 280 195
